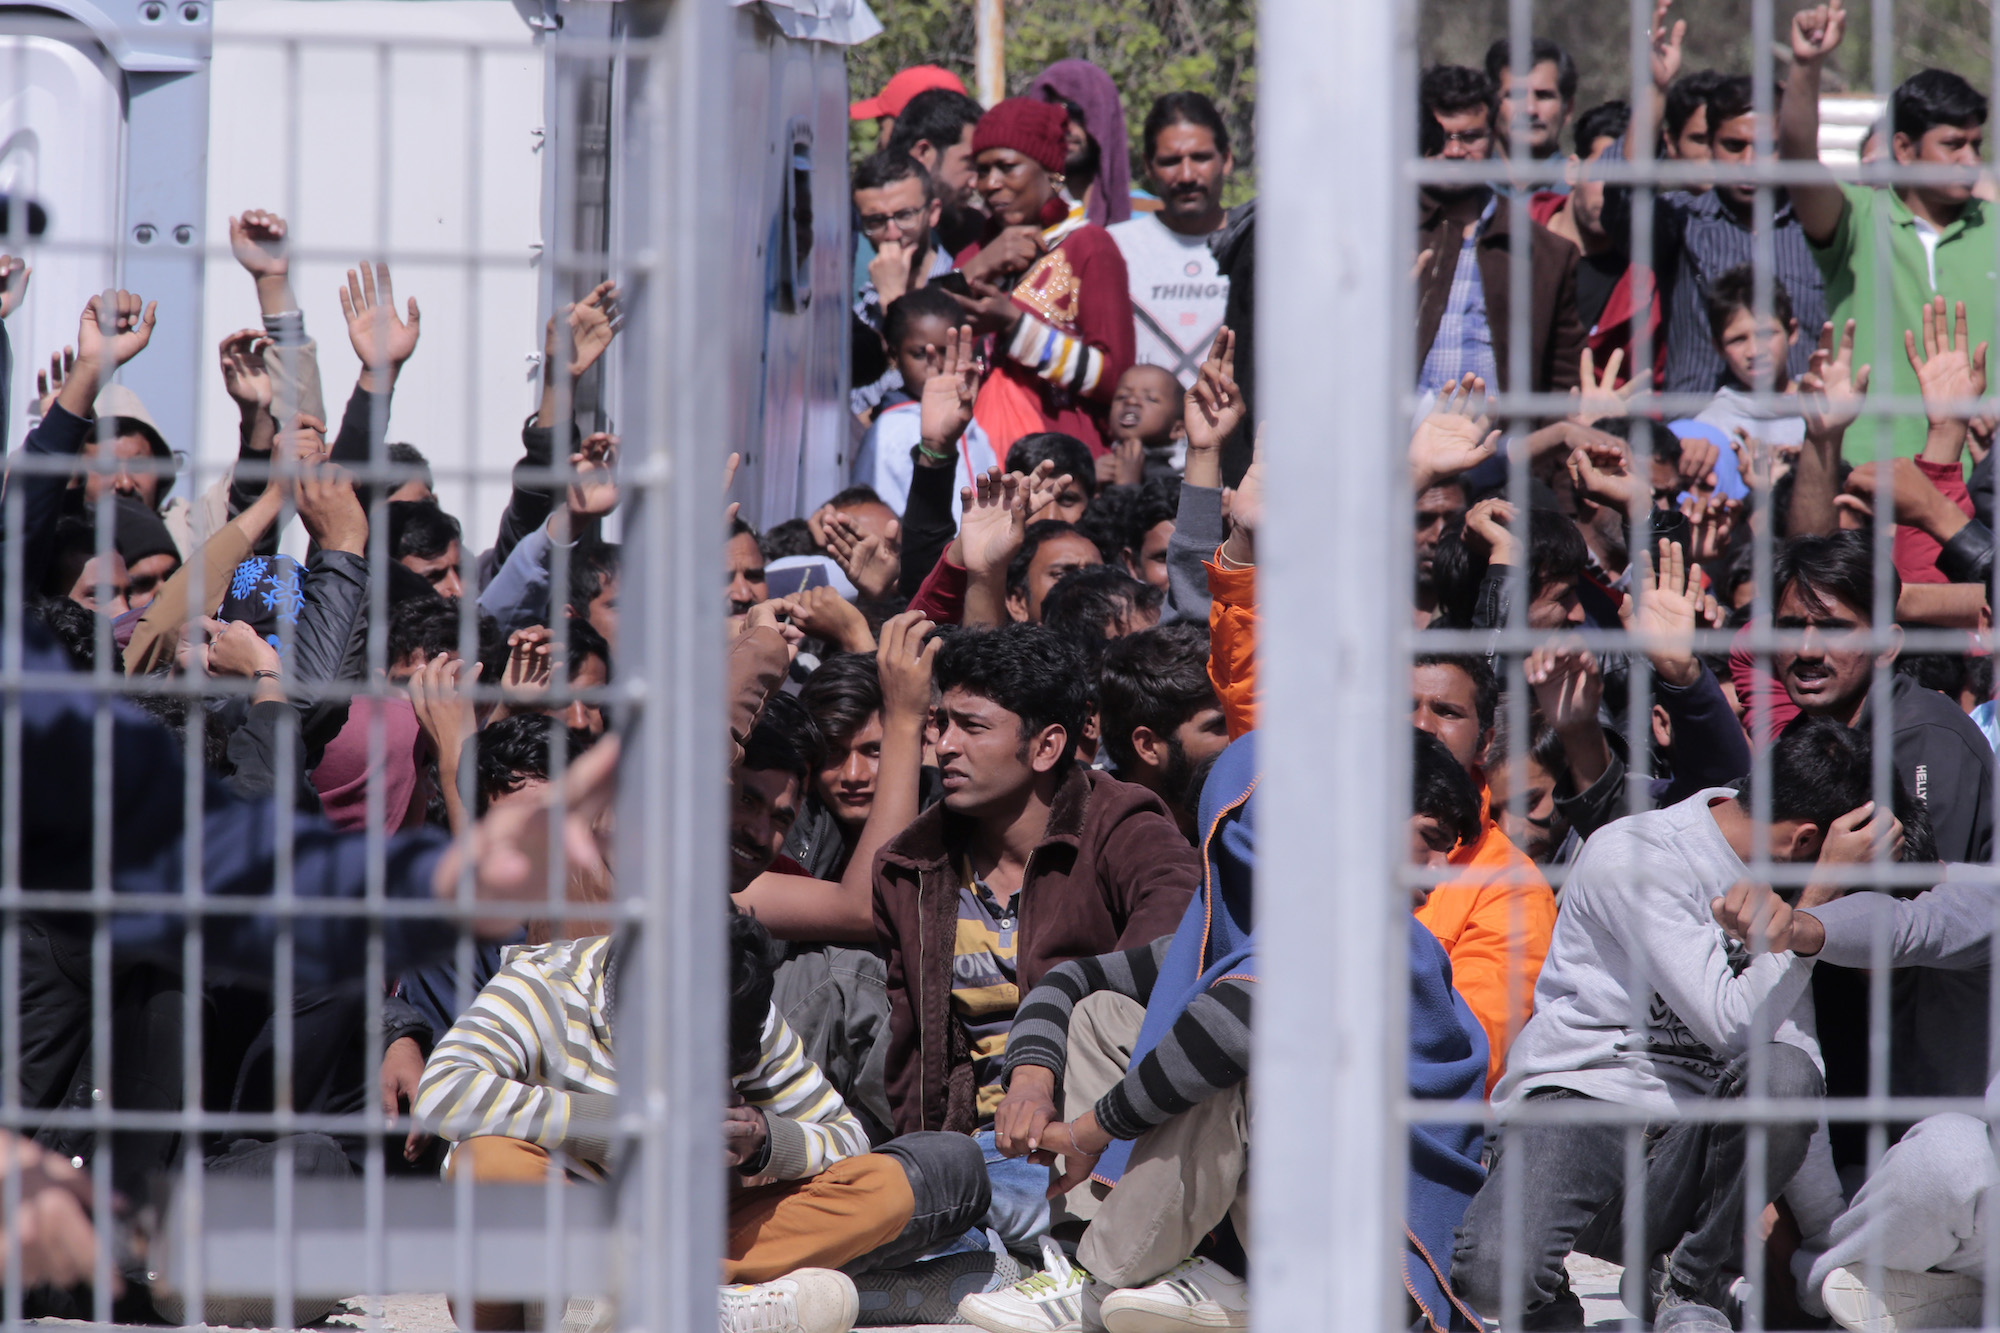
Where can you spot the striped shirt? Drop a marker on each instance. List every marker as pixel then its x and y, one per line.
pixel 531 1059
pixel 1697 239
pixel 984 989
pixel 1206 1051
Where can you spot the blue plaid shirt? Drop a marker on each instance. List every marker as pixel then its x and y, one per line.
pixel 1464 341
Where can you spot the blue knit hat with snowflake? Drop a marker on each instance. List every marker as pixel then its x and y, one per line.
pixel 267 591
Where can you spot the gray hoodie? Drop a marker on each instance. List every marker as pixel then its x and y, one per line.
pixel 1643 1000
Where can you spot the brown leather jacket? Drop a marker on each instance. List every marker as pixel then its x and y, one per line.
pixel 1556 335
pixel 1111 872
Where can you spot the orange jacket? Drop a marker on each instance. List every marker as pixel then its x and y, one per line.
pixel 1494 920
pixel 1232 644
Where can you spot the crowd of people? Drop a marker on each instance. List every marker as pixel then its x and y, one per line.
pixel 1014 664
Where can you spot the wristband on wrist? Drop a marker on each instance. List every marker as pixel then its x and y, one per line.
pixel 935 455
pixel 264 673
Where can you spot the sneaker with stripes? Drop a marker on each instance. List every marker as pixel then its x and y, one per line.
pixel 1194 1294
pixel 1062 1298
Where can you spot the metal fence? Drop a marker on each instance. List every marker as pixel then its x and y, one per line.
pixel 632 96
pixel 1338 101
pixel 635 202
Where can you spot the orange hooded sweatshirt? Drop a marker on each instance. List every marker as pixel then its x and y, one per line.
pixel 1494 918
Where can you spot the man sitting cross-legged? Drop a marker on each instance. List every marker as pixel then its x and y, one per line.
pixel 1635 937
pixel 527 1074
pixel 1147 1052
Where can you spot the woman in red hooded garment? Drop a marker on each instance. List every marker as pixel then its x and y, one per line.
pixel 1047 283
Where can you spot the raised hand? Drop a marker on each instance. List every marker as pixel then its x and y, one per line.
pixel 1665 45
pixel 1663 617
pixel 1214 404
pixel 116 327
pixel 873 563
pixel 1601 471
pixel 1711 521
pixel 1454 438
pixel 1831 391
pixel 1761 464
pixel 257 239
pixel 994 522
pixel 244 373
pixel 1816 31
pixel 593 323
pixel 1568 684
pixel 441 696
pixel 1951 373
pixel 822 613
pixel 1491 521
pixel 49 383
pixel 331 511
pixel 1043 488
pixel 379 337
pixel 14 275
pixel 1694 470
pixel 945 409
pixel 513 846
pixel 1600 397
pixel 594 493
pixel 903 664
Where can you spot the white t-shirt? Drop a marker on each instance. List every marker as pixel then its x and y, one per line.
pixel 1178 295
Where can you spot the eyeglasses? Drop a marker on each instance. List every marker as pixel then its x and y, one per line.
pixel 874 224
pixel 1470 138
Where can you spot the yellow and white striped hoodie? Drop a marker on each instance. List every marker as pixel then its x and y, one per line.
pixel 531 1059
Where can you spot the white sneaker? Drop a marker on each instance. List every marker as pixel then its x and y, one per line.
pixel 806 1300
pixel 1062 1298
pixel 1905 1300
pixel 1195 1293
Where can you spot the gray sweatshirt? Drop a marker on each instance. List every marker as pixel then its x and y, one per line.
pixel 1643 1000
pixel 1949 927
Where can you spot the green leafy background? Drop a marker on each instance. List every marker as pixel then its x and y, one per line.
pixel 1149 47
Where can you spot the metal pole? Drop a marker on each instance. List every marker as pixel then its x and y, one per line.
pixel 671 812
pixel 1328 1161
pixel 989 53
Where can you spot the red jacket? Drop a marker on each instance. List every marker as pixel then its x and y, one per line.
pixel 1086 294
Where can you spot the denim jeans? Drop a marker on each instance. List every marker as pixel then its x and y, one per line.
pixel 1572 1188
pixel 1020 1211
pixel 949 1191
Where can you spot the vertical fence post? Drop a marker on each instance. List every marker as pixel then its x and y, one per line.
pixel 1330 346
pixel 671 814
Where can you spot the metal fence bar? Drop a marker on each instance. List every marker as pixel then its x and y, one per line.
pixel 1325 1185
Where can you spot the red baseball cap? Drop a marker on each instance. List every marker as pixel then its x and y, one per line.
pixel 901 87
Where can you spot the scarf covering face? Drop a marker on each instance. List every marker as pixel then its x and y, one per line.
pixel 1091 88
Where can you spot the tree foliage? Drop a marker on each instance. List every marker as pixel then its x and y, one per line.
pixel 1149 47
pixel 1952 34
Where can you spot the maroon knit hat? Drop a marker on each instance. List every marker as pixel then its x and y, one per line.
pixel 1029 126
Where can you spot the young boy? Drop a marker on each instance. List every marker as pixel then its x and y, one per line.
pixel 1148 433
pixel 1753 348
pixel 913 330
